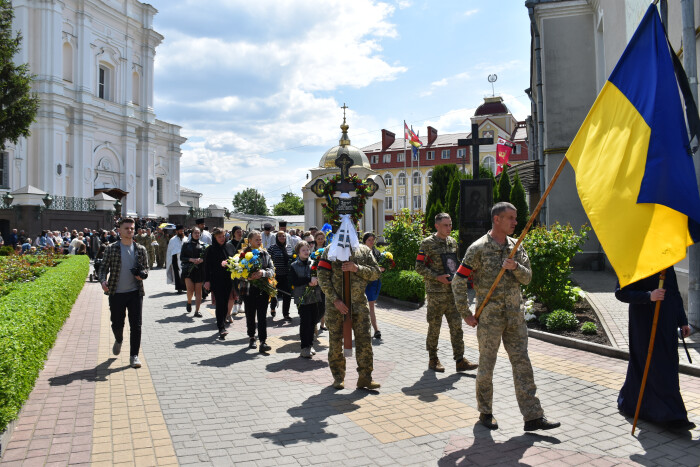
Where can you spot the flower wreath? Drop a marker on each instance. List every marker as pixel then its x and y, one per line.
pixel 330 206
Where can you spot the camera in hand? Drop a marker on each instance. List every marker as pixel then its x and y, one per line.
pixel 139 273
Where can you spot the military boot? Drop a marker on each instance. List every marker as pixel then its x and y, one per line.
pixel 338 383
pixel 435 365
pixel 464 365
pixel 365 382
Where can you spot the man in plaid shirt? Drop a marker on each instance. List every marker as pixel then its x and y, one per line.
pixel 126 262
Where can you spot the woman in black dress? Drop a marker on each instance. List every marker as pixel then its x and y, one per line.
pixel 191 258
pixel 235 301
pixel 218 277
pixel 662 402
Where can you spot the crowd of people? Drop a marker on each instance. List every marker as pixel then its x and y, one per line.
pixel 301 267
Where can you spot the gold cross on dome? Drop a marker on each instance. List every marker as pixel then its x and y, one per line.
pixel 344 107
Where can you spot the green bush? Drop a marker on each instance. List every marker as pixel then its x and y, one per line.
pixel 30 318
pixel 561 320
pixel 404 235
pixel 589 328
pixel 543 319
pixel 6 251
pixel 404 285
pixel 550 253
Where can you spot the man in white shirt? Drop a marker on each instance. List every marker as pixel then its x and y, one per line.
pixel 268 236
pixel 205 236
pixel 172 259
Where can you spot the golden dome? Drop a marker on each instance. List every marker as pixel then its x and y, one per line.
pixel 359 159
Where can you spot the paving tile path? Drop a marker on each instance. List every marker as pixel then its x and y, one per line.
pixel 201 401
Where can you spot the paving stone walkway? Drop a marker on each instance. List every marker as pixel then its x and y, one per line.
pixel 201 401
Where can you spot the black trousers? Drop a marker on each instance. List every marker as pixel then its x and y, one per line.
pixel 284 285
pixel 119 303
pixel 256 307
pixel 221 294
pixel 179 282
pixel 309 315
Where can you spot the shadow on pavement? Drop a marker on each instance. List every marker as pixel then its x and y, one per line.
pixel 175 305
pixel 99 373
pixel 483 447
pixel 192 341
pixel 313 413
pixel 165 294
pixel 428 386
pixel 656 448
pixel 179 318
pixel 229 359
pixel 297 364
pixel 207 325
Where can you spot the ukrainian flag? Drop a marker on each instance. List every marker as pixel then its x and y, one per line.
pixel 634 170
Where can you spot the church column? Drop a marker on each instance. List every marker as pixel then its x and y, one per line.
pixel 369 210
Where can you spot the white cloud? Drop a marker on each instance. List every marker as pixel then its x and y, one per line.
pixel 471 12
pixel 454 121
pixel 459 77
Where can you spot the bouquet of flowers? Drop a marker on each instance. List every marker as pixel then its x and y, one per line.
pixel 386 260
pixel 314 257
pixel 246 262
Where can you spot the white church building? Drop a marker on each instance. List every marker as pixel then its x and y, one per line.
pixel 96 129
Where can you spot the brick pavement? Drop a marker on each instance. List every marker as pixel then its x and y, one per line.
pixel 223 404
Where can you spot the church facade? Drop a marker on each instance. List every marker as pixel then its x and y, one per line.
pixel 96 129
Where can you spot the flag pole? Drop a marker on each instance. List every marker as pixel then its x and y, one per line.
pixel 522 235
pixel 654 324
pixel 405 187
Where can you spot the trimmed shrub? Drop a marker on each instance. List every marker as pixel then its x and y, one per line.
pixel 504 188
pixel 30 318
pixel 7 251
pixel 589 328
pixel 518 199
pixel 543 319
pixel 404 235
pixel 550 253
pixel 404 285
pixel 561 320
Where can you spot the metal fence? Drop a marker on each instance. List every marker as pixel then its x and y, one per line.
pixel 199 213
pixel 69 203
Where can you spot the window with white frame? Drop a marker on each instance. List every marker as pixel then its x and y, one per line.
pixel 430 155
pixel 159 190
pixel 375 159
pixel 401 202
pixel 387 158
pixel 388 203
pixel 400 157
pixel 430 177
pixel 490 163
pixel 4 170
pixel 445 154
pixel 388 180
pixel 416 178
pixel 67 62
pixel 461 152
pixel 416 202
pixel 104 83
pixel 402 179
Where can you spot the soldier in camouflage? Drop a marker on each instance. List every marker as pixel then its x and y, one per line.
pixel 430 263
pixel 148 243
pixel 363 269
pixel 162 238
pixel 502 318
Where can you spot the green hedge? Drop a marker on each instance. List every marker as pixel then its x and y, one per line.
pixel 30 318
pixel 404 285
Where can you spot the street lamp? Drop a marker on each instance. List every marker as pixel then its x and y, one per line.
pixel 8 198
pixel 47 200
pixel 118 207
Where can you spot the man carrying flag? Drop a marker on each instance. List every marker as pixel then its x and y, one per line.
pixel 636 180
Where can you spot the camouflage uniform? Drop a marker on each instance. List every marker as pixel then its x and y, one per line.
pixel 501 318
pixel 162 239
pixel 440 300
pixel 331 282
pixel 148 243
pixel 145 240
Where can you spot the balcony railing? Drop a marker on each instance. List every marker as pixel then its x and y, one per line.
pixel 198 213
pixel 69 203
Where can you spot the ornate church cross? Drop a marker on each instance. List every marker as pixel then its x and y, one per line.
pixel 474 142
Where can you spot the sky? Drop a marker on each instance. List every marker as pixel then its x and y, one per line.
pixel 257 86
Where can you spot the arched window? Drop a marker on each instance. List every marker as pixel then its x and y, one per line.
pixel 402 179
pixel 416 178
pixel 430 177
pixel 490 163
pixel 67 62
pixel 135 88
pixel 388 180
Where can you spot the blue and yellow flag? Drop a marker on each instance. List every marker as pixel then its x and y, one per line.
pixel 634 171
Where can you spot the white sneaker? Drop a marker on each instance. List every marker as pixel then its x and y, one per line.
pixel 305 352
pixel 313 352
pixel 235 310
pixel 135 362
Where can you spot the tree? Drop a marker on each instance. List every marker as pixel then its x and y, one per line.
pixel 291 205
pixel 250 201
pixel 442 174
pixel 18 106
pixel 451 207
pixel 504 188
pixel 517 199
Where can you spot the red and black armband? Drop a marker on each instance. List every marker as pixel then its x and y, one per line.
pixel 421 257
pixel 464 271
pixel 323 264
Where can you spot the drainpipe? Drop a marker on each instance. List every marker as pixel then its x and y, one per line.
pixel 540 105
